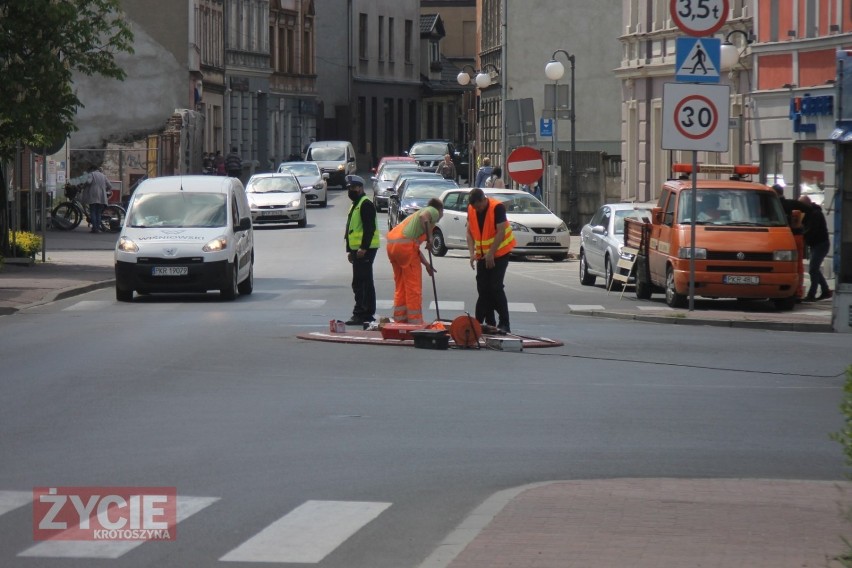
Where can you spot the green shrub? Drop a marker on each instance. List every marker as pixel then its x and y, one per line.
pixel 24 244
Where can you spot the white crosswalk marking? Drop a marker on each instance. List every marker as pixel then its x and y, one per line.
pixel 521 307
pixel 307 534
pixel 302 304
pixel 186 507
pixel 11 500
pixel 585 307
pixel 384 304
pixel 454 306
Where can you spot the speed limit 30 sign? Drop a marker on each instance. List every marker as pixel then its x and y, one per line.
pixel 695 117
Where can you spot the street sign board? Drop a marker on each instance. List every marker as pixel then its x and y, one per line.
pixel 699 17
pixel 525 165
pixel 546 127
pixel 697 60
pixel 695 117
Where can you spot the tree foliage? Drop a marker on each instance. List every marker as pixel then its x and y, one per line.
pixel 42 43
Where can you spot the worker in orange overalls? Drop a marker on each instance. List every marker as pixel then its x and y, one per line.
pixel 403 244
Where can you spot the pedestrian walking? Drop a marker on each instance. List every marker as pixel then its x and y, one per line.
pixel 95 196
pixel 219 164
pixel 234 164
pixel 483 172
pixel 362 244
pixel 447 168
pixel 489 242
pixel 406 259
pixel 496 179
pixel 816 237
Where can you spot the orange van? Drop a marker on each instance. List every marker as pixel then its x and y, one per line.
pixel 743 245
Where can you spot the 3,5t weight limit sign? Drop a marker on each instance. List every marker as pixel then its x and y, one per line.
pixel 699 17
pixel 695 117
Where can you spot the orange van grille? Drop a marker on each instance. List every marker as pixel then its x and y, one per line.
pixel 739 268
pixel 734 256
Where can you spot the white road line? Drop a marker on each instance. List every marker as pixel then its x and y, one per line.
pixel 585 307
pixel 11 500
pixel 521 307
pixel 297 304
pixel 384 304
pixel 308 533
pixel 186 507
pixel 87 306
pixel 456 306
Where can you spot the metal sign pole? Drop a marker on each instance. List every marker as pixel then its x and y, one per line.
pixel 694 209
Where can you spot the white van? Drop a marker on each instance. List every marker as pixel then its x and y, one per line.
pixel 334 157
pixel 186 234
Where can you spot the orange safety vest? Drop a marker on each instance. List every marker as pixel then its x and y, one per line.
pixel 483 237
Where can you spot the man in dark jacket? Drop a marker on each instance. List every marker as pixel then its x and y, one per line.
pixel 816 237
pixel 234 164
pixel 362 244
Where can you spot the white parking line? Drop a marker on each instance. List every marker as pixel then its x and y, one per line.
pixel 186 507
pixel 308 533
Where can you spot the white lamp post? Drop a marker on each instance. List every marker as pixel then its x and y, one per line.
pixel 481 79
pixel 554 70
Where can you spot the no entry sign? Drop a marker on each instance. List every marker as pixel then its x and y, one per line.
pixel 525 165
pixel 695 117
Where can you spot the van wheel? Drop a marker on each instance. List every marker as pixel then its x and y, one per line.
pixel 247 286
pixel 586 279
pixel 643 290
pixel 673 299
pixel 123 295
pixel 439 247
pixel 229 292
pixel 784 304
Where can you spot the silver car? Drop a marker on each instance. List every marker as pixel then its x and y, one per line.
pixel 314 183
pixel 537 231
pixel 384 178
pixel 276 198
pixel 602 241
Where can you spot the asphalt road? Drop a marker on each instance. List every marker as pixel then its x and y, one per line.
pixel 251 424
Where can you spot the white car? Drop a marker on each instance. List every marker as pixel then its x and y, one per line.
pixel 602 241
pixel 276 198
pixel 538 232
pixel 314 182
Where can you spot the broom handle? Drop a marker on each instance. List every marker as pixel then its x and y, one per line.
pixel 434 288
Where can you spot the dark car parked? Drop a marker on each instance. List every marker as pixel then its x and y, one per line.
pixel 414 194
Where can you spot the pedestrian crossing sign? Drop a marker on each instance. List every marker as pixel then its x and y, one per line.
pixel 697 59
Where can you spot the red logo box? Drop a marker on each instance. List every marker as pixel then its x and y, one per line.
pixel 104 513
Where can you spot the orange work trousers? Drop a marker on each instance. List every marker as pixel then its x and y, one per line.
pixel 408 282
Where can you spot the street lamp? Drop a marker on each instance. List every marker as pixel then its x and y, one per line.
pixel 481 79
pixel 730 53
pixel 554 71
pixel 729 57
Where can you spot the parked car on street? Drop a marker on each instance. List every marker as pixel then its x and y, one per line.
pixel 413 195
pixel 398 159
pixel 430 153
pixel 335 157
pixel 384 178
pixel 276 198
pixel 602 241
pixel 538 232
pixel 314 182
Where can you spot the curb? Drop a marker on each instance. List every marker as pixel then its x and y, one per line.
pixel 740 324
pixel 60 295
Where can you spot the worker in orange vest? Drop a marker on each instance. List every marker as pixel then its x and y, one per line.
pixel 489 241
pixel 406 258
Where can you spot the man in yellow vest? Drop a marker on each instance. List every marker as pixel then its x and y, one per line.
pixel 362 244
pixel 489 241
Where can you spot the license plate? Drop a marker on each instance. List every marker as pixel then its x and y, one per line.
pixel 170 271
pixel 270 213
pixel 544 239
pixel 732 279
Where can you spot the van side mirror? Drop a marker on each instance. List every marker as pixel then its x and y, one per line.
pixel 657 215
pixel 325 175
pixel 245 224
pixel 351 159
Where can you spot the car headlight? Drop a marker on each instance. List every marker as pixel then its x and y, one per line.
pixel 518 227
pixel 785 255
pixel 340 168
pixel 562 228
pixel 700 253
pixel 217 244
pixel 126 245
pixel 318 185
pixel 625 255
pixel 295 203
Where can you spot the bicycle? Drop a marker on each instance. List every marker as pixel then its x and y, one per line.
pixel 69 214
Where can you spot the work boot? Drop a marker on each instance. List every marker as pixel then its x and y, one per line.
pixel 825 295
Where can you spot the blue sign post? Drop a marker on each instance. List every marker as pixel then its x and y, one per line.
pixel 545 127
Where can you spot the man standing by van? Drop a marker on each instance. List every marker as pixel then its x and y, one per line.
pixel 362 244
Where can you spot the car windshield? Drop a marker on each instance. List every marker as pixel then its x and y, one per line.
pixel 732 208
pixel 427 190
pixel 278 184
pixel 327 153
pixel 300 169
pixel 521 203
pixel 178 209
pixel 390 173
pixel 429 148
pixel 621 215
